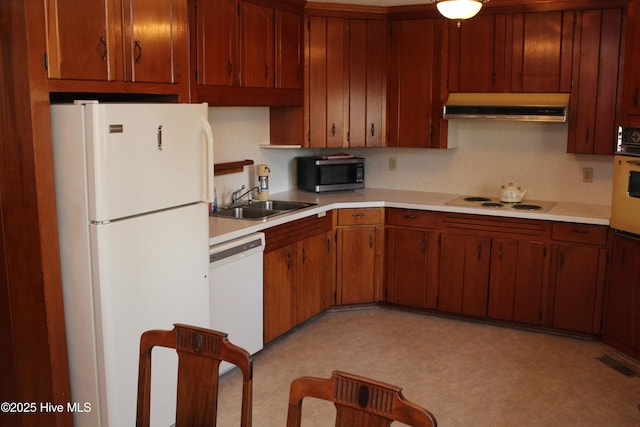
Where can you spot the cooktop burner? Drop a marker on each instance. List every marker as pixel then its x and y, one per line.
pixel 494 203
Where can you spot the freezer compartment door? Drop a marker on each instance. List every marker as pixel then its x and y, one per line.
pixel 149 272
pixel 146 157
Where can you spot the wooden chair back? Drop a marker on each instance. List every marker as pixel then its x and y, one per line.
pixel 200 352
pixel 359 401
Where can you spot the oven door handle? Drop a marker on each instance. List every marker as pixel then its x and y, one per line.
pixel 634 162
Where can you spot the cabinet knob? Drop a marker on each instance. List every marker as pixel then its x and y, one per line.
pixel 137 50
pixel 103 42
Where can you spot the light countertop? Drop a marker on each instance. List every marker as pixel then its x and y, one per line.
pixel 224 229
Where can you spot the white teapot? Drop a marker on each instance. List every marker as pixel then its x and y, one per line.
pixel 511 193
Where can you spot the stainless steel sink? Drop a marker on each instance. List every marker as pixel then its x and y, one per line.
pixel 281 205
pixel 245 212
pixel 260 210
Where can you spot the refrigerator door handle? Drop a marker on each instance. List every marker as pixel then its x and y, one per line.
pixel 205 128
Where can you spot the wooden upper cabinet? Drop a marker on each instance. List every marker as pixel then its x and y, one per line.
pixel 631 85
pixel 596 70
pixel 81 39
pixel 133 41
pixel 326 99
pixel 367 74
pixel 288 57
pixel 477 54
pixel 542 51
pixel 155 38
pixel 414 106
pixel 217 43
pixel 257 45
pixel 521 52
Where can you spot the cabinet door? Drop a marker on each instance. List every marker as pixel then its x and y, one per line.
pixel 517 280
pixel 595 93
pixel 327 91
pixel 217 43
pixel 477 54
pixel 288 50
pixel 411 70
pixel 357 264
pixel 631 81
pixel 311 277
pixel 578 281
pixel 410 269
pixel 367 62
pixel 80 42
pixel 541 52
pixel 155 35
pixel 279 279
pixel 464 274
pixel 257 45
pixel 622 286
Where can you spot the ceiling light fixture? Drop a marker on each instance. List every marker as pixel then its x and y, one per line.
pixel 459 10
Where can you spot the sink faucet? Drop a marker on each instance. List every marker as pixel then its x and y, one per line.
pixel 235 198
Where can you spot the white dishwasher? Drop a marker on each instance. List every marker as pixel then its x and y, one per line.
pixel 235 281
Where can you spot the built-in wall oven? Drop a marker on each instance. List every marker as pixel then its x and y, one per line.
pixel 625 203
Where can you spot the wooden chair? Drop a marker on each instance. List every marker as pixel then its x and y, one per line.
pixel 359 401
pixel 200 352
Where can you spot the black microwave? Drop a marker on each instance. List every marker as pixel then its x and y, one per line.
pixel 319 174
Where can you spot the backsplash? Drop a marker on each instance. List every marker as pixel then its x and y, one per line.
pixel 488 154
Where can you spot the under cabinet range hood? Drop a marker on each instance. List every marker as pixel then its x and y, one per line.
pixel 531 107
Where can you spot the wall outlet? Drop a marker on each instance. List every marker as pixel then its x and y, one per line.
pixel 587 174
pixel 393 165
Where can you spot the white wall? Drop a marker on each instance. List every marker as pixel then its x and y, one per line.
pixel 489 153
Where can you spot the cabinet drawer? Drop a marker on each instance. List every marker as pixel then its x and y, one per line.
pixel 360 216
pixel 411 218
pixel 580 233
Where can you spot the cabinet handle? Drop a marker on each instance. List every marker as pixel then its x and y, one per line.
pixel 579 231
pixel 373 129
pixel 500 253
pixel 137 49
pixel 103 42
pixel 622 255
pixel 359 215
pixel 328 245
pixel 408 216
pixel 561 259
pixel 288 261
pixel 304 255
pixel 424 246
pixel 586 135
pixel 635 97
pixel 266 70
pixel 333 129
pixel 479 251
pixel 371 241
pixel 229 68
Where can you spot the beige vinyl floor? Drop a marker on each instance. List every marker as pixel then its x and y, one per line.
pixel 465 373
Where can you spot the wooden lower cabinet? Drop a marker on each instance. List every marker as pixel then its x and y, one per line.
pixel 577 277
pixel 411 258
pixel 622 296
pixel 464 274
pixel 359 255
pixel 298 262
pixel 517 282
pixel 492 267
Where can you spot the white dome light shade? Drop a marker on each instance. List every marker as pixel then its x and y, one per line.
pixel 459 9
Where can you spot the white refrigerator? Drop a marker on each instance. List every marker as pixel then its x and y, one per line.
pixel 133 184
